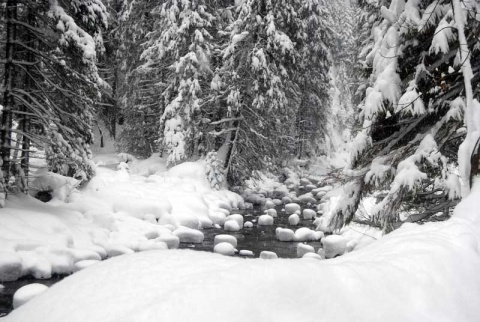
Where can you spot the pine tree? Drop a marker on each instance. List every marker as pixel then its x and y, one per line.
pixel 50 82
pixel 260 83
pixel 139 95
pixel 413 112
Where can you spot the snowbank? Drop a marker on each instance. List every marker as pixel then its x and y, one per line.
pixel 117 212
pixel 417 273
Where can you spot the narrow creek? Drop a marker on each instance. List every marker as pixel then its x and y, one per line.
pixel 256 239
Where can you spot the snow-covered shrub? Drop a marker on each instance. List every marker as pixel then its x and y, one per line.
pixel 214 171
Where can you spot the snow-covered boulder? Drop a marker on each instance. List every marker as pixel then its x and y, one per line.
pixel 265 220
pixel 272 212
pixel 302 249
pixel 268 255
pixel 334 245
pixel 238 218
pixel 290 208
pixel 269 204
pixel 309 214
pixel 232 225
pixel 26 293
pixel 277 202
pixel 225 239
pixel 286 200
pixel 293 219
pixel 224 249
pixel 248 224
pixel 306 198
pixel 245 252
pixel 306 234
pixel 189 235
pixel 285 234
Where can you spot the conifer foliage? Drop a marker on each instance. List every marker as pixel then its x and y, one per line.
pixel 50 83
pixel 416 111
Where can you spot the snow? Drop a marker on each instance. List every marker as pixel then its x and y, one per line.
pixel 265 220
pixel 285 234
pixel 293 219
pixel 291 208
pixel 232 225
pixel 309 214
pixel 116 213
pixel 334 245
pixel 268 255
pixel 419 272
pixel 189 235
pixel 303 249
pixel 224 249
pixel 225 239
pixel 26 293
pixel 272 213
pixel 245 252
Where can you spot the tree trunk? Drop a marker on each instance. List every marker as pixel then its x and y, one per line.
pixel 9 80
pixel 29 84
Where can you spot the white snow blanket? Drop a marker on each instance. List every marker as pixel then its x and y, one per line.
pixel 118 212
pixel 417 273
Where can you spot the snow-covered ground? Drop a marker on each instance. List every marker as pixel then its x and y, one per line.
pixel 417 273
pixel 117 212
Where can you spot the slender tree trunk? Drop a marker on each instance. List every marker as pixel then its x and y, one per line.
pixel 9 80
pixel 30 40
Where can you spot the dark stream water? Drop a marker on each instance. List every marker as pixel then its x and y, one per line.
pixel 255 239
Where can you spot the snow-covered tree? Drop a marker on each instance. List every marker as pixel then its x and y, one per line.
pixel 181 43
pixel 138 94
pixel 260 85
pixel 421 86
pixel 50 82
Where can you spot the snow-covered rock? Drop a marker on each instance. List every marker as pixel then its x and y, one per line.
pixel 302 249
pixel 306 234
pixel 232 225
pixel 277 202
pixel 248 224
pixel 225 239
pixel 286 200
pixel 265 220
pixel 238 218
pixel 309 214
pixel 293 219
pixel 245 252
pixel 306 198
pixel 272 212
pixel 268 255
pixel 189 235
pixel 334 245
pixel 285 234
pixel 269 204
pixel 224 249
pixel 291 208
pixel 26 293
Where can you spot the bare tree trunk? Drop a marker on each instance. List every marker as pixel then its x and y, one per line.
pixel 29 39
pixel 9 80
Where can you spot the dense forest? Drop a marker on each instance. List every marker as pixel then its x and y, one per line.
pixel 249 83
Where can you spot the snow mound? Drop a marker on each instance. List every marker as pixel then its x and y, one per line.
pixel 26 293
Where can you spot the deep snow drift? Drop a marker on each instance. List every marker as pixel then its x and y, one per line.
pixel 417 273
pixel 137 208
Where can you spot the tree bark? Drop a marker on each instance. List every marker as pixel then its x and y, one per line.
pixel 9 84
